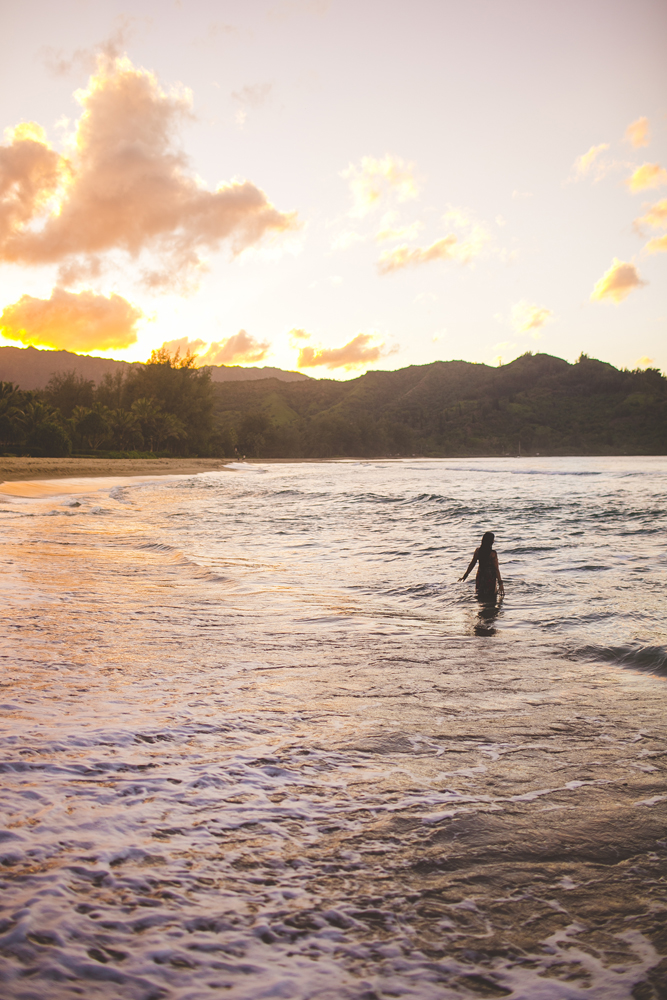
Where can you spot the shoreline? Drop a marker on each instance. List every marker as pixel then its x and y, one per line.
pixel 27 469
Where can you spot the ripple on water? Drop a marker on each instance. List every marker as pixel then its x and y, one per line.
pixel 339 775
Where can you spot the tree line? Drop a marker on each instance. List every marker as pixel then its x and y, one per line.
pixel 537 404
pixel 163 407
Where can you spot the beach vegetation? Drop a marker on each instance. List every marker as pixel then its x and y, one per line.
pixel 66 391
pixel 43 431
pixel 162 407
pixel 537 404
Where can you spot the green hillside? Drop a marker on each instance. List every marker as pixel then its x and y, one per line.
pixel 536 404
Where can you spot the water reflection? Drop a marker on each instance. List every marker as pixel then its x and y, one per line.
pixel 250 745
pixel 486 617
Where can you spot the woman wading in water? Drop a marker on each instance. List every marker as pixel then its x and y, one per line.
pixel 488 574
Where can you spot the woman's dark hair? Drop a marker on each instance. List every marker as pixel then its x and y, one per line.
pixel 487 545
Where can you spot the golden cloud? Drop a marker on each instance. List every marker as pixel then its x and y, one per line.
pixel 124 186
pixel 656 217
pixel 232 351
pixel 183 346
pixel 617 283
pixel 463 246
pixel 358 352
pixel 376 179
pixel 582 165
pixel 637 133
pixel 239 349
pixel 657 245
pixel 296 334
pixel 527 317
pixel 649 175
pixel 31 173
pixel 405 256
pixel 72 322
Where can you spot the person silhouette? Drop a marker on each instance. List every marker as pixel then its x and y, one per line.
pixel 488 573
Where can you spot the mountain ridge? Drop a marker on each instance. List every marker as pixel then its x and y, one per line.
pixel 537 404
pixel 31 368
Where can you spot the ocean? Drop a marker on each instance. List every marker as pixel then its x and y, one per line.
pixel 258 741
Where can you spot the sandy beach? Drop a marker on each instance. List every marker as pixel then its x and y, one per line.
pixel 21 469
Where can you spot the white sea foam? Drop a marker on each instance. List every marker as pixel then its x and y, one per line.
pixel 246 751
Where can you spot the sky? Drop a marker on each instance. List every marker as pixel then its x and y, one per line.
pixel 335 185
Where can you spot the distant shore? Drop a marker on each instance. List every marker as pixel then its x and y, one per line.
pixel 19 469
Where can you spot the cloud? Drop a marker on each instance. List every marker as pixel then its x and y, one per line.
pixel 72 322
pixel 617 283
pixel 521 195
pixel 358 352
pixel 583 164
pixel 253 95
pixel 31 174
pixel 125 186
pixel 405 256
pixel 649 175
pixel 637 133
pixel 657 245
pixel 183 345
pixel 462 248
pixel 389 231
pixel 73 272
pixel 656 217
pixel 85 60
pixel 376 179
pixel 297 334
pixel 644 361
pixel 232 351
pixel 236 350
pixel 526 317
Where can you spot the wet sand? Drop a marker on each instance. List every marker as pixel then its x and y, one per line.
pixel 21 469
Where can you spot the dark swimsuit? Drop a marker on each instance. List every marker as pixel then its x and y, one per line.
pixel 486 580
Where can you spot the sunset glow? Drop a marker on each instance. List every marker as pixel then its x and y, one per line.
pixel 407 185
pixel 81 322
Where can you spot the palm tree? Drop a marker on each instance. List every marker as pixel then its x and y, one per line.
pixel 12 416
pixel 91 424
pixel 45 433
pixel 125 428
pixel 169 428
pixel 147 413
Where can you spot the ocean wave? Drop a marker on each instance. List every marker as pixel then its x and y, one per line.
pixel 158 547
pixel 524 472
pixel 649 659
pixel 177 558
pixel 532 471
pixel 246 467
